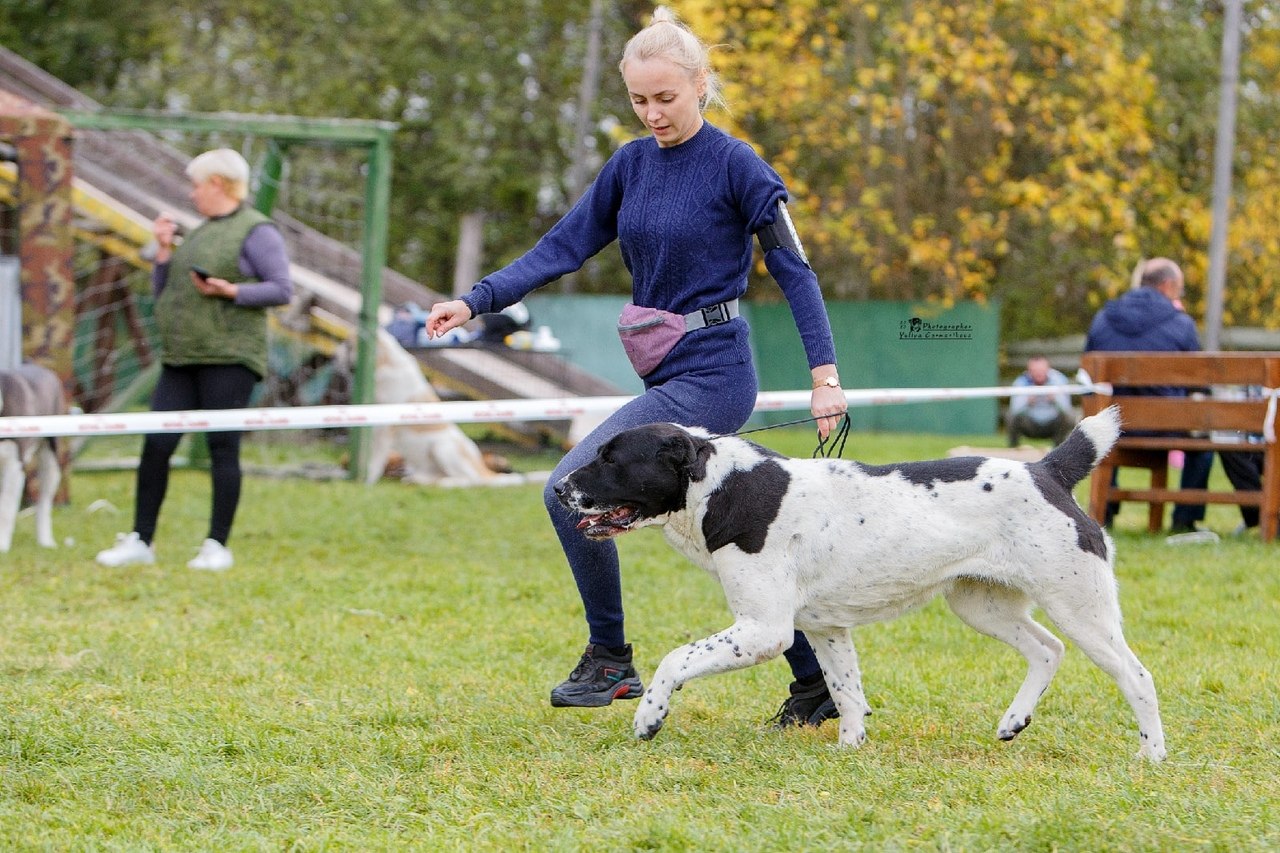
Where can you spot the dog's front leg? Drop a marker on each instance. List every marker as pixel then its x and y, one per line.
pixel 764 628
pixel 50 474
pixel 839 659
pixel 12 479
pixel 742 644
pixel 379 454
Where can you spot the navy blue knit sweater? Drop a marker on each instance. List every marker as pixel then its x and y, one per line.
pixel 684 217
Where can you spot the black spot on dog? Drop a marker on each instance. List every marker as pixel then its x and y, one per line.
pixel 765 452
pixel 1071 461
pixel 926 474
pixel 1088 533
pixel 986 487
pixel 743 506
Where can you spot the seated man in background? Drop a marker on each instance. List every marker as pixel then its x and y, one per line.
pixel 1048 416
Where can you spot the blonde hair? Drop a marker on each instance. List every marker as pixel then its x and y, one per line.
pixel 667 38
pixel 223 163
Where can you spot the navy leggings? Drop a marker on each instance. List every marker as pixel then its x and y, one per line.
pixel 720 400
pixel 201 386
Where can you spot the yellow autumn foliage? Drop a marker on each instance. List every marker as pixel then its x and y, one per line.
pixel 957 149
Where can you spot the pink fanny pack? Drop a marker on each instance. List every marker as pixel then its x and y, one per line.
pixel 648 334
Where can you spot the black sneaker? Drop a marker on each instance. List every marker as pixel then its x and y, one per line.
pixel 597 680
pixel 808 705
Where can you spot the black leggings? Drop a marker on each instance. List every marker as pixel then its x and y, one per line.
pixel 201 386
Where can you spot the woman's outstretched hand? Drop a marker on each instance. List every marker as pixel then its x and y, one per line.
pixel 445 316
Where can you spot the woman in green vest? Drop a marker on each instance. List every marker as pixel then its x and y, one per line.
pixel 212 290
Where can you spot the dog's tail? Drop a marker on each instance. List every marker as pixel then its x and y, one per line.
pixel 1088 444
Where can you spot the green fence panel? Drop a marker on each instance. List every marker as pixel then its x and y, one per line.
pixel 587 329
pixel 892 345
pixel 878 345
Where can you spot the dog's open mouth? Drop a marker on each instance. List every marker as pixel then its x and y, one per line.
pixel 608 524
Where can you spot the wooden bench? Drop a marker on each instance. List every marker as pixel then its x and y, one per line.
pixel 1204 423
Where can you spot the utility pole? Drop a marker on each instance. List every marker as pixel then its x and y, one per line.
pixel 1223 150
pixel 587 92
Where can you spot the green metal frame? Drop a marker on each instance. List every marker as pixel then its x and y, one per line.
pixel 372 136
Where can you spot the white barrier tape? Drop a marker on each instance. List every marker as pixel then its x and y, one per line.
pixel 487 411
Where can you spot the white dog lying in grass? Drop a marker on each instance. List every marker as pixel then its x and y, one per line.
pixel 432 454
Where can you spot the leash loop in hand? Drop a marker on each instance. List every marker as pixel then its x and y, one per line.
pixel 837 438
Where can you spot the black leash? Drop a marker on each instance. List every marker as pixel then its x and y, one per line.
pixel 837 437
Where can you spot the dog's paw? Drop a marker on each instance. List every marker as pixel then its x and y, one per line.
pixel 648 728
pixel 649 731
pixel 649 718
pixel 1153 752
pixel 1011 726
pixel 852 734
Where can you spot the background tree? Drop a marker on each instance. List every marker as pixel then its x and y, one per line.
pixel 1184 38
pixel 946 150
pixel 935 149
pixel 1033 152
pixel 485 93
pixel 85 43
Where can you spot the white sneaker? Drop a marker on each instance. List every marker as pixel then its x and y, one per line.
pixel 213 557
pixel 129 549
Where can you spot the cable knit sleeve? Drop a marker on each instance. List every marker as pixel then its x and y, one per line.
pixel 759 190
pixel 800 286
pixel 588 227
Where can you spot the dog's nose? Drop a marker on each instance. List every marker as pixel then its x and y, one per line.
pixel 560 488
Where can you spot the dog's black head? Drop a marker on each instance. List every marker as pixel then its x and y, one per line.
pixel 636 478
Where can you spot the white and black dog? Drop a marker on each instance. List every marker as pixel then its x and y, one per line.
pixel 825 544
pixel 29 390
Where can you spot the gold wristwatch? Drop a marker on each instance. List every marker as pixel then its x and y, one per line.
pixel 829 382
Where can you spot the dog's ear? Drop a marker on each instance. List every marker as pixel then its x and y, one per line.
pixel 698 470
pixel 687 453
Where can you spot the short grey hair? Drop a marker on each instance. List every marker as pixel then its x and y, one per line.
pixel 1157 271
pixel 224 163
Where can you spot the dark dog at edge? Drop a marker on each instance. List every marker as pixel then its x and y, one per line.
pixel 824 545
pixel 26 391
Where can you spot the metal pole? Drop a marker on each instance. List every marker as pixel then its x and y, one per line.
pixel 264 200
pixel 1224 147
pixel 10 312
pixel 374 257
pixel 587 92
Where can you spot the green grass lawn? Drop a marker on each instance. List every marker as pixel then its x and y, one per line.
pixel 373 674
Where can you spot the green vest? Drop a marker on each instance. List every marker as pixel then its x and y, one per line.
pixel 199 329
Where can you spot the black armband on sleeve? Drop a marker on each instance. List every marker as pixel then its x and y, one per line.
pixel 781 234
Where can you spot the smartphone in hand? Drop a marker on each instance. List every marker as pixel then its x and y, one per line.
pixel 201 272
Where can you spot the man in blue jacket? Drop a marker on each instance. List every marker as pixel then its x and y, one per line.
pixel 1150 318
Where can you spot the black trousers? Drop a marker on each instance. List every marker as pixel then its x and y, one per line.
pixel 1244 470
pixel 201 386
